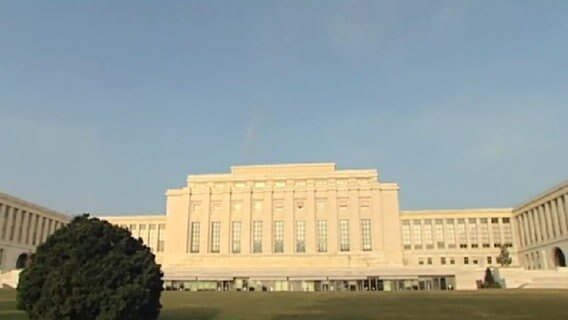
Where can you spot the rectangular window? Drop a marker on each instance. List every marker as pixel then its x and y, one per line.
pixel 344 235
pixel 366 230
pixel 152 236
pixel 195 228
pixel 429 260
pixel 507 233
pixel 466 260
pixel 428 240
pixel 300 236
pixel 452 261
pixel 161 233
pixel 462 235
pixel 443 260
pixel 215 236
pixel 489 260
pixel 236 237
pixel 13 223
pixel 21 225
pixel 439 230
pixel 417 234
pixel 450 234
pixel 257 237
pixel 496 232
pixel 484 230
pixel 278 236
pixel 472 230
pixel 322 236
pixel 406 240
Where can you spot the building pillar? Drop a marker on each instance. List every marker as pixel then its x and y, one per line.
pixel 558 207
pixel 9 224
pixel 553 218
pixel 538 226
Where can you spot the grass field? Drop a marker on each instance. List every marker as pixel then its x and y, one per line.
pixel 491 304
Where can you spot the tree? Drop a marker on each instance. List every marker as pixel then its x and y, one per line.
pixel 489 280
pixel 504 259
pixel 91 269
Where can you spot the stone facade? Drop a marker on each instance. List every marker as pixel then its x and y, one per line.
pixel 314 227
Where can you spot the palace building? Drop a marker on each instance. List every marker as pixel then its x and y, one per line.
pixel 312 227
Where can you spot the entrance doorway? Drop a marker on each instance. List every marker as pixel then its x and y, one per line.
pixel 559 258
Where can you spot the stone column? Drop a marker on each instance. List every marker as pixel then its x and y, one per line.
pixel 536 221
pixel 553 219
pixel 558 207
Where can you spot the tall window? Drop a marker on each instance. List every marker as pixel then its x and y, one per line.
pixel 278 236
pixel 439 230
pixel 257 237
pixel 13 225
pixel 215 236
pixel 322 236
pixel 462 234
pixel 450 233
pixel 300 236
pixel 417 234
pixel 406 241
pixel 507 233
pixel 161 232
pixel 152 237
pixel 366 230
pixel 472 227
pixel 484 230
pixel 496 232
pixel 344 235
pixel 428 241
pixel 36 226
pixel 236 237
pixel 194 237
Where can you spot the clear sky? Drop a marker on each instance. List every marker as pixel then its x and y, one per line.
pixel 106 104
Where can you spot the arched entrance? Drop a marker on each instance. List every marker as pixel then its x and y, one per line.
pixel 22 261
pixel 559 258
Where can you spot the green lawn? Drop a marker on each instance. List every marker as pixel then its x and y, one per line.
pixel 492 304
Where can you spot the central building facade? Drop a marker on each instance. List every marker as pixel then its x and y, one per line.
pixel 283 217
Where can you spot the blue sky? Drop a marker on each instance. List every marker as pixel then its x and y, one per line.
pixel 106 104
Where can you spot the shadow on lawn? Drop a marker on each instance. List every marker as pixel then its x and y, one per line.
pixel 189 313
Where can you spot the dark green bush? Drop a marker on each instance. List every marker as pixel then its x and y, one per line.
pixel 91 269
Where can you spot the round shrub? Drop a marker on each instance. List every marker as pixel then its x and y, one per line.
pixel 91 269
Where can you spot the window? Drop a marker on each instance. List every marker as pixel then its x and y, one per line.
pixel 215 236
pixel 161 233
pixel 36 226
pixel 322 236
pixel 406 235
pixel 428 241
pixel 429 260
pixel 472 228
pixel 475 261
pixel 421 261
pixel 443 260
pixel 236 237
pixel 257 237
pixel 452 261
pixel 450 233
pixel 344 235
pixel 462 235
pixel 496 232
pixel 278 236
pixel 507 233
pixel 417 234
pixel 194 237
pixel 489 260
pixel 439 230
pixel 366 230
pixel 152 236
pixel 13 223
pixel 484 231
pixel 466 260
pixel 300 236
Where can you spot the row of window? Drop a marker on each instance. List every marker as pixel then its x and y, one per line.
pixel 451 260
pixel 546 221
pixel 278 205
pixel 461 233
pixel 289 183
pixel 153 236
pixel 278 236
pixel 25 227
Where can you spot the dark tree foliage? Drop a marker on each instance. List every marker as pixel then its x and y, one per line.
pixel 504 259
pixel 91 269
pixel 489 281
